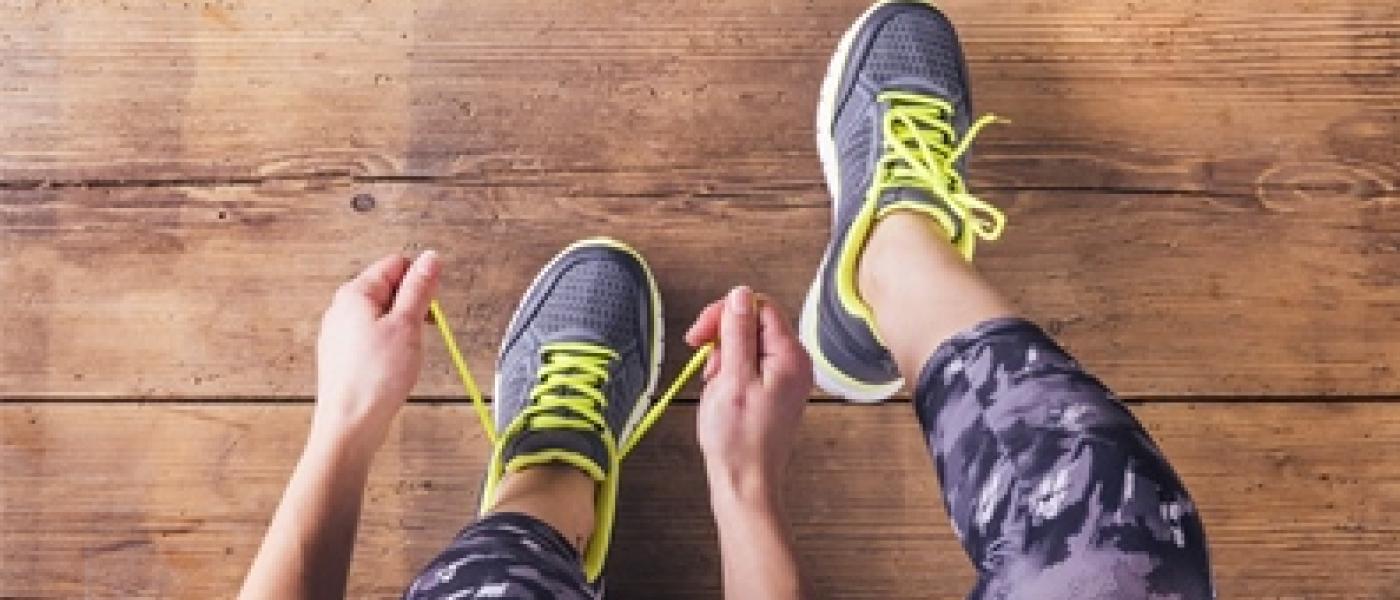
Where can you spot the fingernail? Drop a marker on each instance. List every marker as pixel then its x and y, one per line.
pixel 427 262
pixel 741 300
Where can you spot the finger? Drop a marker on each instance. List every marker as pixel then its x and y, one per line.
pixel 379 280
pixel 778 346
pixel 418 287
pixel 706 326
pixel 711 367
pixel 738 334
pixel 776 331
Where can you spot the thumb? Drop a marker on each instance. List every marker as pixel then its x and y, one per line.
pixel 418 287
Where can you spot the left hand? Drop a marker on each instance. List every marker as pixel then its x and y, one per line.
pixel 370 350
pixel 756 387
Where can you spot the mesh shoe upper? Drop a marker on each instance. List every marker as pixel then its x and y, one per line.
pixel 898 46
pixel 575 375
pixel 904 46
pixel 594 294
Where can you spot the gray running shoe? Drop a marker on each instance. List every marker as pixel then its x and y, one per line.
pixel 576 372
pixel 893 125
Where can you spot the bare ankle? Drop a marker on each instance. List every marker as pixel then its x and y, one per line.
pixel 920 289
pixel 884 262
pixel 559 495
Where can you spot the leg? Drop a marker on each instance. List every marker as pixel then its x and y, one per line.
pixel 527 547
pixel 1052 486
pixel 577 367
pixel 907 267
pixel 556 494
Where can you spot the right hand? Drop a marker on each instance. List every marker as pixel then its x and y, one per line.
pixel 370 350
pixel 756 386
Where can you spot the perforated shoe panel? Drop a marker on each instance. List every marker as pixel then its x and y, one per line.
pixel 592 294
pixel 899 46
pixel 907 46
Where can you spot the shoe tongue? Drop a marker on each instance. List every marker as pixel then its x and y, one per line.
pixel 923 202
pixel 921 85
pixel 568 334
pixel 571 334
pixel 908 195
pixel 586 444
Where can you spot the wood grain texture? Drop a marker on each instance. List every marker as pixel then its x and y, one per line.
pixel 1203 202
pixel 1213 98
pixel 1203 196
pixel 215 292
pixel 1300 500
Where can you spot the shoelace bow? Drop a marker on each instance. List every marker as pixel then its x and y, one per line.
pixel 568 393
pixel 920 152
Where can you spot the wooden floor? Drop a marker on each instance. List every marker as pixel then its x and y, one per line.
pixel 1203 205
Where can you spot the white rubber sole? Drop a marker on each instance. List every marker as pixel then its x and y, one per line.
pixel 827 377
pixel 643 403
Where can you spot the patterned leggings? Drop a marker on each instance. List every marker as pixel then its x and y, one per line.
pixel 1054 489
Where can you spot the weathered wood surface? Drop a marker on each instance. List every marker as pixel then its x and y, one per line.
pixel 215 292
pixel 1202 196
pixel 1218 98
pixel 1203 201
pixel 1301 500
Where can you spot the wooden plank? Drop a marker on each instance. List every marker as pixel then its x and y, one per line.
pixel 1201 198
pixel 1227 98
pixel 170 500
pixel 214 291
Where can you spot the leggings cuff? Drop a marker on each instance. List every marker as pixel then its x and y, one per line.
pixel 530 527
pixel 955 348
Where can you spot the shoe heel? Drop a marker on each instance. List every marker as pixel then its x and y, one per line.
pixel 824 375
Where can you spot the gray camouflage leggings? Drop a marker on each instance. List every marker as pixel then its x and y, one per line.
pixel 1052 486
pixel 505 555
pixel 1054 489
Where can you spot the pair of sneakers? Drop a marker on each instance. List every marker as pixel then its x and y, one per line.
pixel 582 354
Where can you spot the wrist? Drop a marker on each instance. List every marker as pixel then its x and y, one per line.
pixel 742 513
pixel 740 492
pixel 349 420
pixel 339 443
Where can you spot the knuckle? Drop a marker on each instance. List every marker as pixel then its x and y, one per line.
pixel 399 324
pixel 793 368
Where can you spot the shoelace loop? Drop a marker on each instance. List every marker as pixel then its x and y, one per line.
pixel 912 158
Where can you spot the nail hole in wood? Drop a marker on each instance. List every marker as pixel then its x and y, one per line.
pixel 362 202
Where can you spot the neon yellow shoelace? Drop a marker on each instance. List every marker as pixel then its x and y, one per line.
pixel 567 396
pixel 920 153
pixel 570 378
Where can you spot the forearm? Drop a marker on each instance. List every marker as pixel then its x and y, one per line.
pixel 306 553
pixel 755 546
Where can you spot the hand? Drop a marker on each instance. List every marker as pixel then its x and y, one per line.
pixel 370 350
pixel 756 386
